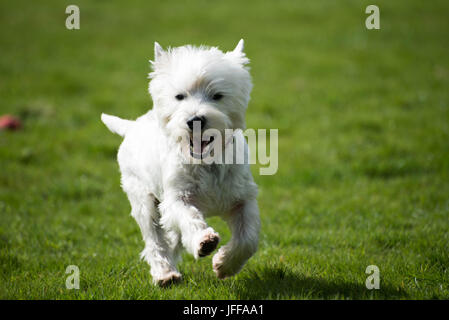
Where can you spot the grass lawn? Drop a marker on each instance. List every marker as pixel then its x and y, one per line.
pixel 363 121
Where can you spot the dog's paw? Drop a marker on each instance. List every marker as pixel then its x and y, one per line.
pixel 225 264
pixel 169 279
pixel 223 267
pixel 208 243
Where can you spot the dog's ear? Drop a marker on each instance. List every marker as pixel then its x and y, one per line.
pixel 237 54
pixel 158 51
pixel 239 48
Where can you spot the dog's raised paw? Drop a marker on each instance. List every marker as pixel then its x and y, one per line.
pixel 208 244
pixel 217 264
pixel 225 266
pixel 169 279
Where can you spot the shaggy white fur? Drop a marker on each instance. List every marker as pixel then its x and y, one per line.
pixel 171 197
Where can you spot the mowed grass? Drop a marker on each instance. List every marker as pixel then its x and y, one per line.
pixel 363 125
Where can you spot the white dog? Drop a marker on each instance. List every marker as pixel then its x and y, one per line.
pixel 171 197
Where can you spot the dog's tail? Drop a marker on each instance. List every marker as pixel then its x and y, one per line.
pixel 115 124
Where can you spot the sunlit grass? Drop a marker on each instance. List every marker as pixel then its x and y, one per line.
pixel 363 147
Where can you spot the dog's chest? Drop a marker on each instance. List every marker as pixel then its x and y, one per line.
pixel 213 190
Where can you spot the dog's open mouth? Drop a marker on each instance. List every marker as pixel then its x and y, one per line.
pixel 199 149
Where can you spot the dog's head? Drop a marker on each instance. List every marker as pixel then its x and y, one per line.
pixel 199 86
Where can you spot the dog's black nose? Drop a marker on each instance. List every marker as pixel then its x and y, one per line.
pixel 201 120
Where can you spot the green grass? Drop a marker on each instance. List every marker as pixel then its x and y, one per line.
pixel 363 125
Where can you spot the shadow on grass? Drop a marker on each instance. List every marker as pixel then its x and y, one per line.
pixel 282 283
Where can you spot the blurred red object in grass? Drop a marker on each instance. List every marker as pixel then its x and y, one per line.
pixel 8 122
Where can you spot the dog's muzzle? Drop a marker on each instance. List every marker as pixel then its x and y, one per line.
pixel 198 148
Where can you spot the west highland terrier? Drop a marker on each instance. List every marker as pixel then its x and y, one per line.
pixel 170 196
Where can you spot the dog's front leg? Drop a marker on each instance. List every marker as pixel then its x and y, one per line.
pixel 197 237
pixel 244 223
pixel 157 250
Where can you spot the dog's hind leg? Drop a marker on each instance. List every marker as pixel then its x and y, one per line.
pixel 158 252
pixel 196 236
pixel 244 223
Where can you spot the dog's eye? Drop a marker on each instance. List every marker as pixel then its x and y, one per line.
pixel 180 97
pixel 217 96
